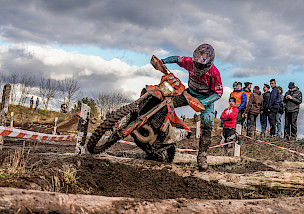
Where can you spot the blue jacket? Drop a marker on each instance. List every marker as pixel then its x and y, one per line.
pixel 243 100
pixel 275 98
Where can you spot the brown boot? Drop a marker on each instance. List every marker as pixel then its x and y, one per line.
pixel 204 143
pixel 202 161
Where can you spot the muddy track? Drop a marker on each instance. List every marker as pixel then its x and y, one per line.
pixel 31 201
pixel 149 186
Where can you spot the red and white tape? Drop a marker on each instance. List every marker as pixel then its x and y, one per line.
pixel 271 144
pixel 19 133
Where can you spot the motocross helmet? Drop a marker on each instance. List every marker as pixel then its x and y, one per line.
pixel 203 58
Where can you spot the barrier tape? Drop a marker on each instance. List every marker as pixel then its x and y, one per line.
pixel 271 144
pixel 19 133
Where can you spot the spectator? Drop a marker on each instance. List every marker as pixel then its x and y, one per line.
pixel 195 118
pixel 279 114
pixel 273 106
pixel 292 100
pixel 247 90
pixel 215 113
pixel 37 104
pixel 253 109
pixel 234 87
pixel 228 117
pixel 31 102
pixel 264 111
pixel 108 114
pixel 241 101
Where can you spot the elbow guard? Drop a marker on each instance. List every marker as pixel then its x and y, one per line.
pixel 170 59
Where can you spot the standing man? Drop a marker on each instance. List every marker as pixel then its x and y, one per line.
pixel 280 114
pixel 247 90
pixel 37 104
pixel 234 85
pixel 264 110
pixel 241 101
pixel 31 102
pixel 292 99
pixel 206 85
pixel 273 106
pixel 253 109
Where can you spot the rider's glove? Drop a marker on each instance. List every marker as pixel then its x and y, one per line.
pixel 170 59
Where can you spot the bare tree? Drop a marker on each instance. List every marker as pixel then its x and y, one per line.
pixel 2 82
pixel 27 82
pixel 69 89
pixel 108 101
pixel 48 89
pixel 12 79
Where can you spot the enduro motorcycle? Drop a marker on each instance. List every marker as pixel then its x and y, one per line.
pixel 151 120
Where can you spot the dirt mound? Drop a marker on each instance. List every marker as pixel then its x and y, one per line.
pixel 69 125
pixel 242 167
pixel 154 180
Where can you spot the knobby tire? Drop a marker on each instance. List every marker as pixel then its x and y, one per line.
pixel 108 125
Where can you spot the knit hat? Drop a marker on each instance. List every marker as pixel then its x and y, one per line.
pixel 291 85
pixel 239 83
pixel 232 99
pixel 247 83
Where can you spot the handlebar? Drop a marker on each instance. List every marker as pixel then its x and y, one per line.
pixel 159 65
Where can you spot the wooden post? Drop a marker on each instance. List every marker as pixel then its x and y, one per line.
pixel 82 129
pixel 4 108
pixel 55 126
pixel 12 119
pixel 237 145
pixel 198 129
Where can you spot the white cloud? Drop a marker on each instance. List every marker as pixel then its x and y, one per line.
pixel 92 72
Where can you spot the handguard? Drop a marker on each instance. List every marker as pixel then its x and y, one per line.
pixel 194 103
pixel 159 65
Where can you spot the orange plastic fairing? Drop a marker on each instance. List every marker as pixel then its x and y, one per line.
pixel 195 104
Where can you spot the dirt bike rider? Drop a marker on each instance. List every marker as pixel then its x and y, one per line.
pixel 206 85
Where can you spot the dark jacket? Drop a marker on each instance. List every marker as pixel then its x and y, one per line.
pixel 293 105
pixel 275 98
pixel 255 103
pixel 266 97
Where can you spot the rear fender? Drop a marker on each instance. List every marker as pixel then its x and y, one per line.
pixel 174 120
pixel 194 103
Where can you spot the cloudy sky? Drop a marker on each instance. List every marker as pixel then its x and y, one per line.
pixel 107 45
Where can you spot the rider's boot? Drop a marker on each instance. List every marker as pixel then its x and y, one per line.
pixel 204 143
pixel 202 153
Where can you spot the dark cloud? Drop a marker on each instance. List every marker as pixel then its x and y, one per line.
pixel 252 35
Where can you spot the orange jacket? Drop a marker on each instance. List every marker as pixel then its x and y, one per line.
pixel 248 93
pixel 241 99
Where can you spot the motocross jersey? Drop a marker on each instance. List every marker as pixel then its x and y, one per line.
pixel 210 82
